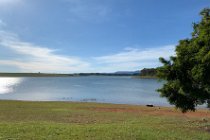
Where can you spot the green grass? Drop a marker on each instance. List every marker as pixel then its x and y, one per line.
pixel 66 120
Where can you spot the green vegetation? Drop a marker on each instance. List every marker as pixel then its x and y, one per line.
pixel 148 73
pixel 188 73
pixel 90 121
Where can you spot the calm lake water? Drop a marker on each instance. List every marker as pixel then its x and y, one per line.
pixel 106 89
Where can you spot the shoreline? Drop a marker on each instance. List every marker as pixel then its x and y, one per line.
pixel 172 107
pixel 149 105
pixel 60 75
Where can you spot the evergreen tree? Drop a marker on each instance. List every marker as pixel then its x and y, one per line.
pixel 187 74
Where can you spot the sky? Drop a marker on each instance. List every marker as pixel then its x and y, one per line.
pixel 73 36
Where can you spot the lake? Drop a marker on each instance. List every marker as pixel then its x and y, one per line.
pixel 104 89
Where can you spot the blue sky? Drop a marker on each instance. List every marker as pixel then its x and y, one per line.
pixel 68 36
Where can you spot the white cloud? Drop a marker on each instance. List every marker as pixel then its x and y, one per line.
pixel 134 58
pixel 134 54
pixel 33 58
pixel 28 57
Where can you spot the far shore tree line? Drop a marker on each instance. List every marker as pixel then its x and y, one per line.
pixel 148 73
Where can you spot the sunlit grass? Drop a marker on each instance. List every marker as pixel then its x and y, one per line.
pixel 66 120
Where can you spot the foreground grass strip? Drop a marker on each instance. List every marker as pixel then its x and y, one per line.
pixel 91 121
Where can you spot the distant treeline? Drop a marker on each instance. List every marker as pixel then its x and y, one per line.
pixel 33 75
pixel 148 72
pixel 109 74
pixel 63 75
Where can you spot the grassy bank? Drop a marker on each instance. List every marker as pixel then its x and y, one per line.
pixel 92 121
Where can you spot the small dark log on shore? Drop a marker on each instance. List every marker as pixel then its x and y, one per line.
pixel 150 105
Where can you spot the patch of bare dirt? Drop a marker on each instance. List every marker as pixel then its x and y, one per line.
pixel 152 111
